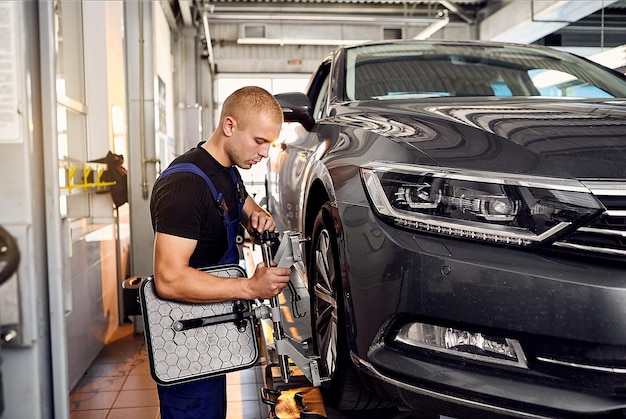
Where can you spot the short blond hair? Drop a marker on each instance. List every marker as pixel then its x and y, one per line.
pixel 248 101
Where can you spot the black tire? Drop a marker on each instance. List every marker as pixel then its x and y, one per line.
pixel 9 255
pixel 344 391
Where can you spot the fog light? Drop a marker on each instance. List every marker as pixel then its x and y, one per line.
pixel 462 343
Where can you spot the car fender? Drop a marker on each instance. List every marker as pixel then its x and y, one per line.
pixel 320 189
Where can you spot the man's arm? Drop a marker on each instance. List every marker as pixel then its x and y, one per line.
pixel 175 279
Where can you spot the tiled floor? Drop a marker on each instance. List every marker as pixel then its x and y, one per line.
pixel 118 385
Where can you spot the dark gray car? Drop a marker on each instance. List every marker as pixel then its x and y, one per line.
pixel 466 204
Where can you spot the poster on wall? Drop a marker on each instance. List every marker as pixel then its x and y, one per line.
pixel 161 112
pixel 9 112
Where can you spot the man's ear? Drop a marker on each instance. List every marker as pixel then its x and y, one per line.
pixel 229 126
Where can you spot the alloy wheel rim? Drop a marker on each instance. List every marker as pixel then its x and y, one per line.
pixel 325 302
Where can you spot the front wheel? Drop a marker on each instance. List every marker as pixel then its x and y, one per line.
pixel 344 390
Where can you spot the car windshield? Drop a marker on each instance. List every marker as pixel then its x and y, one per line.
pixel 418 70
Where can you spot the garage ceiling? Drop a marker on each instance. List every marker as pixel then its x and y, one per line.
pixel 237 29
pixel 524 21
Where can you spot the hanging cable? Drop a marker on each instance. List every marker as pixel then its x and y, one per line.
pixel 142 132
pixel 602 28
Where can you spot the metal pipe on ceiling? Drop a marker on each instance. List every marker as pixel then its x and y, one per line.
pixel 324 19
pixel 309 8
pixel 242 14
pixel 207 37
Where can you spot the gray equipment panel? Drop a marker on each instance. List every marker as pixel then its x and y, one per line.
pixel 199 351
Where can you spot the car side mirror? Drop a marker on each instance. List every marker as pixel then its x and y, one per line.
pixel 296 108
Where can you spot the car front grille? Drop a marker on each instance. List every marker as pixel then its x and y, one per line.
pixel 605 235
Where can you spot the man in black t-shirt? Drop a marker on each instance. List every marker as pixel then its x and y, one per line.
pixel 193 230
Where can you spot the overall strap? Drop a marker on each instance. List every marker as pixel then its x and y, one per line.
pixel 190 167
pixel 239 185
pixel 231 255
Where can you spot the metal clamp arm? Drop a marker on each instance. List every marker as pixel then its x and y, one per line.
pixel 238 316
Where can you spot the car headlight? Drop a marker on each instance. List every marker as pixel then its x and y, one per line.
pixel 494 207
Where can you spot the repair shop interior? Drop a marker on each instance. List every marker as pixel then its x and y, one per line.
pixel 443 185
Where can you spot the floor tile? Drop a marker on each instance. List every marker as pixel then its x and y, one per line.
pixel 108 369
pixel 92 401
pixel 245 410
pixel 140 367
pixel 243 392
pixel 89 414
pixel 117 358
pixel 247 376
pixel 136 398
pixel 233 379
pixel 139 382
pixel 134 413
pixel 97 384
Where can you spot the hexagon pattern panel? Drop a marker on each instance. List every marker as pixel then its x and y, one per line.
pixel 198 352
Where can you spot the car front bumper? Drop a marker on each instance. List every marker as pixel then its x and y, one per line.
pixel 568 314
pixel 460 393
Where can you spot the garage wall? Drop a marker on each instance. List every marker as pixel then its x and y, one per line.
pixel 164 109
pixel 273 57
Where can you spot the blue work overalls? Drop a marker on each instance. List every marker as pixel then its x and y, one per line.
pixel 205 398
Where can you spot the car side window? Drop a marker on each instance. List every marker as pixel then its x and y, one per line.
pixel 322 98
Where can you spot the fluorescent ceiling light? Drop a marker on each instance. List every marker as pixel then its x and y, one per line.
pixel 282 41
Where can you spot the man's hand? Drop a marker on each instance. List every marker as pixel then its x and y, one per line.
pixel 268 282
pixel 261 221
pixel 256 219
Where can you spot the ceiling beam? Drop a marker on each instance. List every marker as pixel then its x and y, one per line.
pixel 185 12
pixel 168 13
pixel 457 11
pixel 613 58
pixel 434 27
pixel 527 21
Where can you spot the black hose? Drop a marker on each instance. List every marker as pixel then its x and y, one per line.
pixel 9 254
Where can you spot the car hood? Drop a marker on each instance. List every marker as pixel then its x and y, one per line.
pixel 561 138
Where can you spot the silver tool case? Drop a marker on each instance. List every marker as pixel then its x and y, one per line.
pixel 187 342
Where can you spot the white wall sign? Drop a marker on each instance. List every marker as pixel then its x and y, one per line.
pixel 9 115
